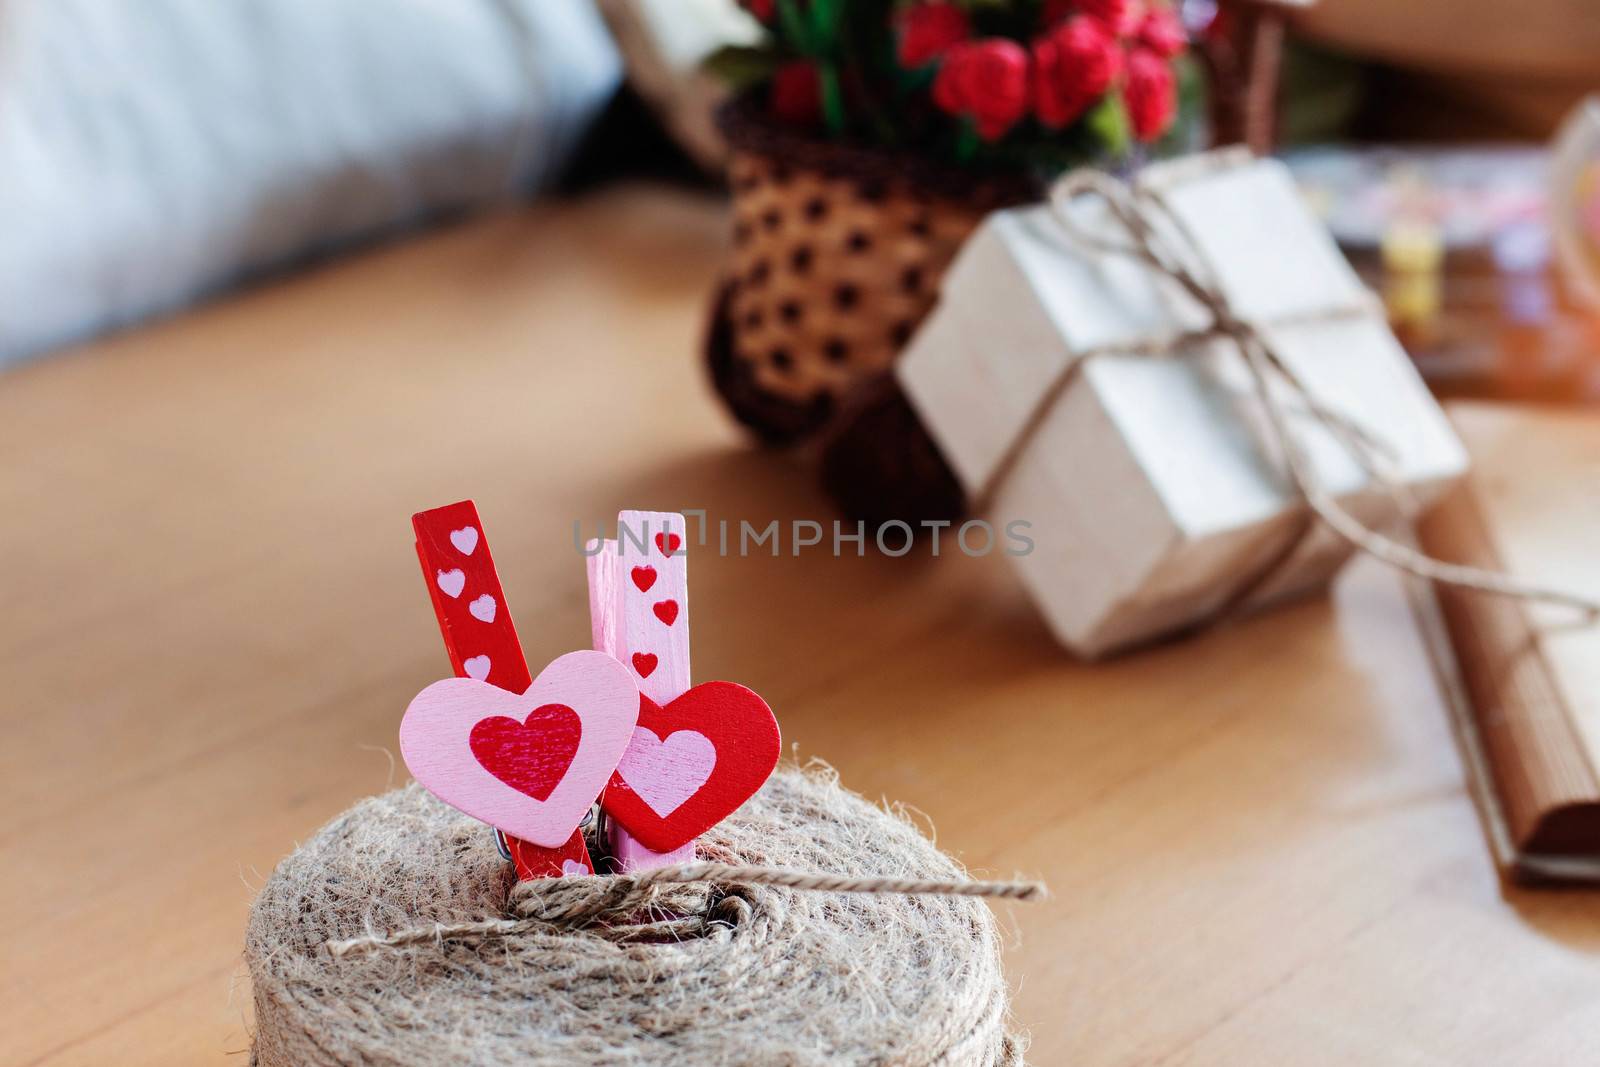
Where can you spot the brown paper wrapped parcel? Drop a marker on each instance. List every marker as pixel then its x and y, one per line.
pixel 1156 498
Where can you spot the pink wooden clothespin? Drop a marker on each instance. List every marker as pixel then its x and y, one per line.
pixel 697 753
pixel 482 643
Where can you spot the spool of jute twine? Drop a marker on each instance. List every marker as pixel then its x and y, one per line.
pixel 397 935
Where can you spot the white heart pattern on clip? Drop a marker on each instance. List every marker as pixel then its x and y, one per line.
pixel 465 539
pixel 483 608
pixel 451 582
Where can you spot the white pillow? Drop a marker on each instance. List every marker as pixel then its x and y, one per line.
pixel 155 150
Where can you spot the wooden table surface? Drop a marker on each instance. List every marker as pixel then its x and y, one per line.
pixel 1258 841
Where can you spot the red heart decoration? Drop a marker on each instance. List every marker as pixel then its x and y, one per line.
pixel 675 796
pixel 644 578
pixel 666 611
pixel 668 543
pixel 644 663
pixel 531 756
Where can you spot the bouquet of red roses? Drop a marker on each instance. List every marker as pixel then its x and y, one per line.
pixel 1010 83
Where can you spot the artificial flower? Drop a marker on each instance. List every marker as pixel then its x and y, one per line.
pixel 1161 32
pixel 1074 65
pixel 797 93
pixel 987 80
pixel 928 30
pixel 1151 93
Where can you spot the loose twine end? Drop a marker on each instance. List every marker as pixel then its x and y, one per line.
pixel 576 901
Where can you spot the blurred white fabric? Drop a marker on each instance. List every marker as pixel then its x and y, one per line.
pixel 664 44
pixel 152 151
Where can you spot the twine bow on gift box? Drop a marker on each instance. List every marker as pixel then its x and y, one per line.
pixel 1161 241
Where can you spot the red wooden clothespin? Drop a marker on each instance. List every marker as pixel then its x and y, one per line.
pixel 697 752
pixel 482 643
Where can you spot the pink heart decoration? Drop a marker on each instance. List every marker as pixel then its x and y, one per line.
pixel 437 733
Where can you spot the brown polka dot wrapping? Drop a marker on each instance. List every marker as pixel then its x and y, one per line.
pixel 837 255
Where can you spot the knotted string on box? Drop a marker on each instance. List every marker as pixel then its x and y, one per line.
pixel 1173 252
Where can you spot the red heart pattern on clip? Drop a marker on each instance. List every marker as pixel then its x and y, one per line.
pixel 466 595
pixel 691 763
pixel 533 861
pixel 666 610
pixel 482 642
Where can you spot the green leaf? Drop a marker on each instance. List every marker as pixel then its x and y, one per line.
pixel 1183 136
pixel 741 66
pixel 915 80
pixel 795 28
pixel 832 98
pixel 967 142
pixel 825 19
pixel 1108 121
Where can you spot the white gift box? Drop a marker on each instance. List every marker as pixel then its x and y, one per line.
pixel 1154 496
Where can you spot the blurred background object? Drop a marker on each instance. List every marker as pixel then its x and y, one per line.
pixel 1460 244
pixel 1575 200
pixel 1241 44
pixel 869 138
pixel 153 151
pixel 837 254
pixel 158 152
pixel 665 44
pixel 1463 68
